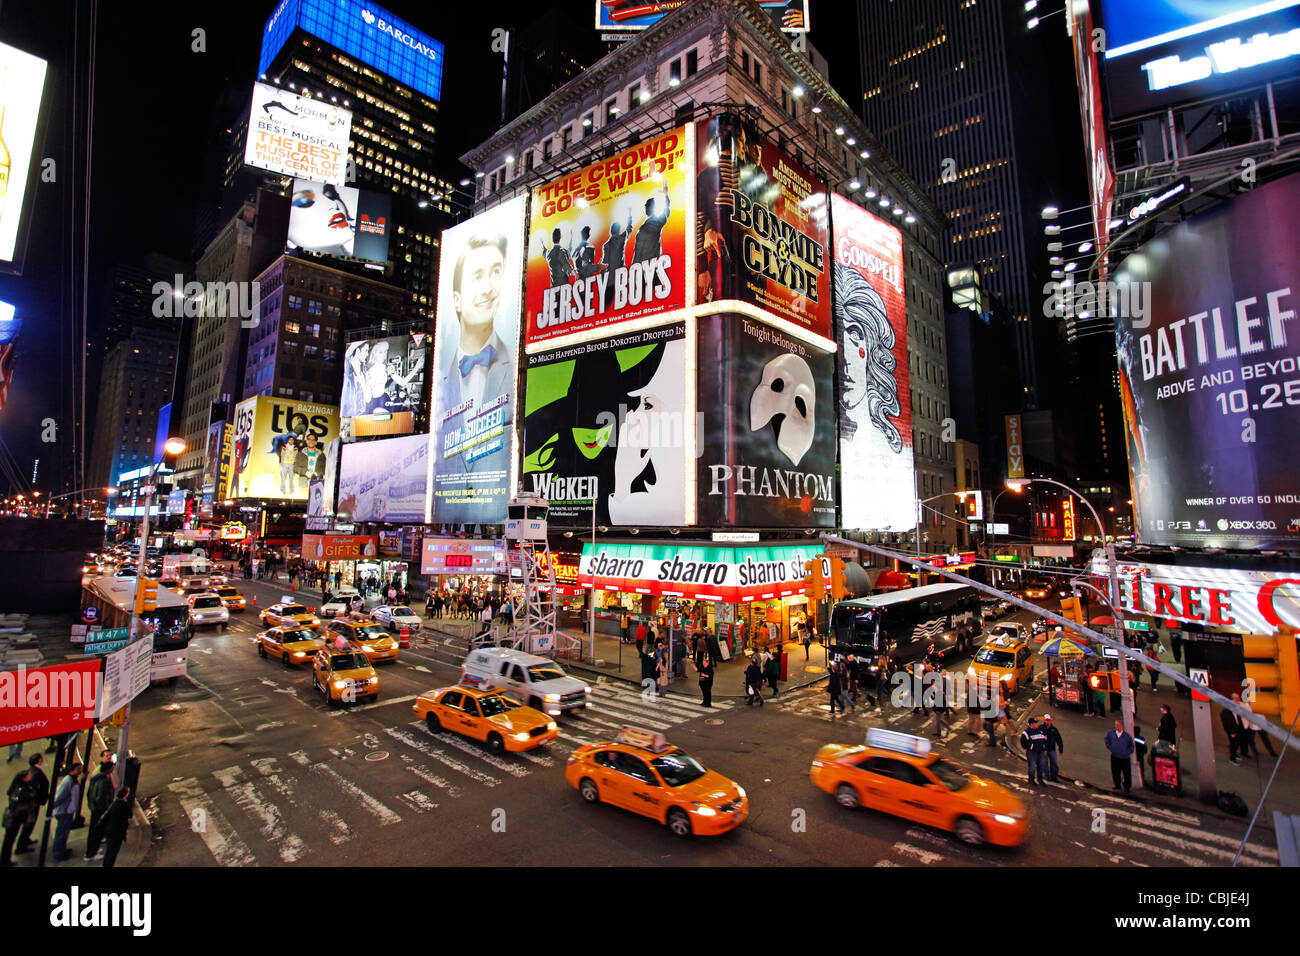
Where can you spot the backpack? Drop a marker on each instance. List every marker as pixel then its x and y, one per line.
pixel 1229 802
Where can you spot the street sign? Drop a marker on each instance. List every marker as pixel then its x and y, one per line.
pixel 1201 677
pixel 1137 625
pixel 104 641
pixel 126 674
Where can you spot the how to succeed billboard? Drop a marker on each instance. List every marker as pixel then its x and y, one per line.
pixel 1210 382
pixel 608 242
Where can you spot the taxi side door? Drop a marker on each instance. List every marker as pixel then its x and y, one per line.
pixel 320 673
pixel 913 799
pixel 470 721
pixel 271 640
pixel 639 788
pixel 872 775
pixel 1024 668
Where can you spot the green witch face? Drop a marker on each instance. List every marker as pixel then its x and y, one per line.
pixel 592 441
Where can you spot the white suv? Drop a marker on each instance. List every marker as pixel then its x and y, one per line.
pixel 207 609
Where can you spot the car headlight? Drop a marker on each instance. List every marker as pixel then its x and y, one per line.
pixel 970 672
pixel 740 790
pixel 373 680
pixel 552 698
pixel 702 810
pixel 586 689
pixel 818 763
pixel 552 725
pixel 340 684
pixel 367 648
pixel 299 654
pixel 1004 818
pixel 1007 677
pixel 521 736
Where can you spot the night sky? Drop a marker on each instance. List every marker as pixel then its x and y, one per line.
pixel 159 115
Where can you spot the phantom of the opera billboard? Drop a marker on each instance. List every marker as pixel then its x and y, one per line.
pixel 385 480
pixel 608 241
pixel 763 227
pixel 297 136
pixel 607 421
pixel 383 385
pixel 1209 380
pixel 280 448
pixel 767 427
pixel 877 483
pixel 473 433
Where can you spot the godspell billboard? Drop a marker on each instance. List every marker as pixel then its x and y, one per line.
pixel 1210 381
pixel 608 242
pixel 767 441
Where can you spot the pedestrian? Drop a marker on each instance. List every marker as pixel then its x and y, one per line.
pixel 974 712
pixel 99 796
pixel 1120 744
pixel 66 801
pixel 805 635
pixel 773 673
pixel 1140 745
pixel 1250 728
pixel 1168 728
pixel 846 681
pixel 338 580
pixel 486 619
pixel 942 699
pixel 22 810
pixel 624 622
pixel 1034 742
pixel 851 678
pixel 641 635
pixel 754 682
pixel 116 820
pixel 1154 674
pixel 1235 729
pixel 661 671
pixel 705 668
pixel 42 784
pixel 884 671
pixel 833 688
pixel 916 682
pixel 1176 645
pixel 1055 745
pixel 15 751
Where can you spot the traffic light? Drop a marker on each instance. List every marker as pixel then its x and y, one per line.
pixel 814 588
pixel 1105 681
pixel 1272 669
pixel 1072 609
pixel 146 597
pixel 839 588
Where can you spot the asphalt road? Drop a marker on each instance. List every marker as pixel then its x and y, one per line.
pixel 245 764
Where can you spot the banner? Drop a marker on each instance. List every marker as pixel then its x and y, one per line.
pixel 22 84
pixel 339 547
pixel 279 447
pixel 1210 376
pixel 608 242
pixel 46 701
pixel 320 494
pixel 339 221
pixel 472 431
pixel 763 230
pixel 607 421
pixel 297 136
pixel 877 472
pixel 790 15
pixel 767 428
pixel 386 480
pixel 383 385
pixel 1015 447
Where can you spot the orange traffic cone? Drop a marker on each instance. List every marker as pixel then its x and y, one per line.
pixel 254 600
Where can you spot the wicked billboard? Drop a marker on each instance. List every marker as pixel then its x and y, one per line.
pixel 606 421
pixel 767 442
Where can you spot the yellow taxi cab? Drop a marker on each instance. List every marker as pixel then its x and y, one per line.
pixel 344 675
pixel 473 708
pixel 231 598
pixel 288 614
pixel 374 639
pixel 292 645
pixel 1003 659
pixel 896 773
pixel 640 771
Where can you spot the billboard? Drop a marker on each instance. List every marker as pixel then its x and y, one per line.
pixel 608 242
pixel 22 83
pixel 877 472
pixel 386 480
pixel 339 221
pixel 339 547
pixel 1209 385
pixel 630 15
pixel 383 385
pixel 608 421
pixel 279 447
pixel 767 427
pixel 1162 53
pixel 472 420
pixel 698 571
pixel 362 30
pixel 462 556
pixel 1015 446
pixel 763 230
pixel 297 136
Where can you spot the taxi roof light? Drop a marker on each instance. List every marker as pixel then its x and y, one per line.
pixel 901 743
pixel 646 739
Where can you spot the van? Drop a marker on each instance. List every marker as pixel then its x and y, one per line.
pixel 536 681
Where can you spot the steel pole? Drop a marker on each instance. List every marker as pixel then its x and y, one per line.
pixel 591 599
pixel 123 753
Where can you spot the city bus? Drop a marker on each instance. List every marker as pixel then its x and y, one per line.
pixel 903 624
pixel 170 622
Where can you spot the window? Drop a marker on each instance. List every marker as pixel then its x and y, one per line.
pixel 451 699
pixel 588 122
pixel 313 307
pixel 634 97
pixel 295 302
pixel 744 61
pixel 675 72
pixel 528 161
pixel 692 63
pixel 611 110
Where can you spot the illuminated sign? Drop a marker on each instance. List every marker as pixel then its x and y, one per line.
pixel 1067 519
pixel 280 447
pixel 632 15
pixel 451 555
pixel 22 82
pixel 233 531
pixel 1015 448
pixel 297 136
pixel 363 30
pixel 339 547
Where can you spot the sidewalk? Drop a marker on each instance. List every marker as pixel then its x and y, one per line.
pixel 1086 760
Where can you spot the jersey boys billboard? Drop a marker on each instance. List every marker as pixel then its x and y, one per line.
pixel 1210 385
pixel 474 365
pixel 767 413
pixel 763 229
pixel 877 484
pixel 607 421
pixel 608 242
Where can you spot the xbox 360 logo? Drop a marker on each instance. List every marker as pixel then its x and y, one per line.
pixel 1223 524
pixel 368 17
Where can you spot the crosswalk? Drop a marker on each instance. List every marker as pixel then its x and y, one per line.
pixel 296 808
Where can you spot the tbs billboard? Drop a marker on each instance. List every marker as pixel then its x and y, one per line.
pixel 608 242
pixel 1210 386
pixel 280 447
pixel 297 136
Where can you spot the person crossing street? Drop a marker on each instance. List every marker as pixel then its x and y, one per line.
pixel 1034 742
pixel 1055 745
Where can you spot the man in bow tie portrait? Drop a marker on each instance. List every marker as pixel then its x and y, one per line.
pixel 482 367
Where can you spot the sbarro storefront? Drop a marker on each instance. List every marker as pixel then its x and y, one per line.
pixel 750 596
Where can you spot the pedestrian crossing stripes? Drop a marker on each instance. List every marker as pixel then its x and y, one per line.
pixel 267 809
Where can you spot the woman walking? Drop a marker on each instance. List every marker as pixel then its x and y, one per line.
pixel 754 682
